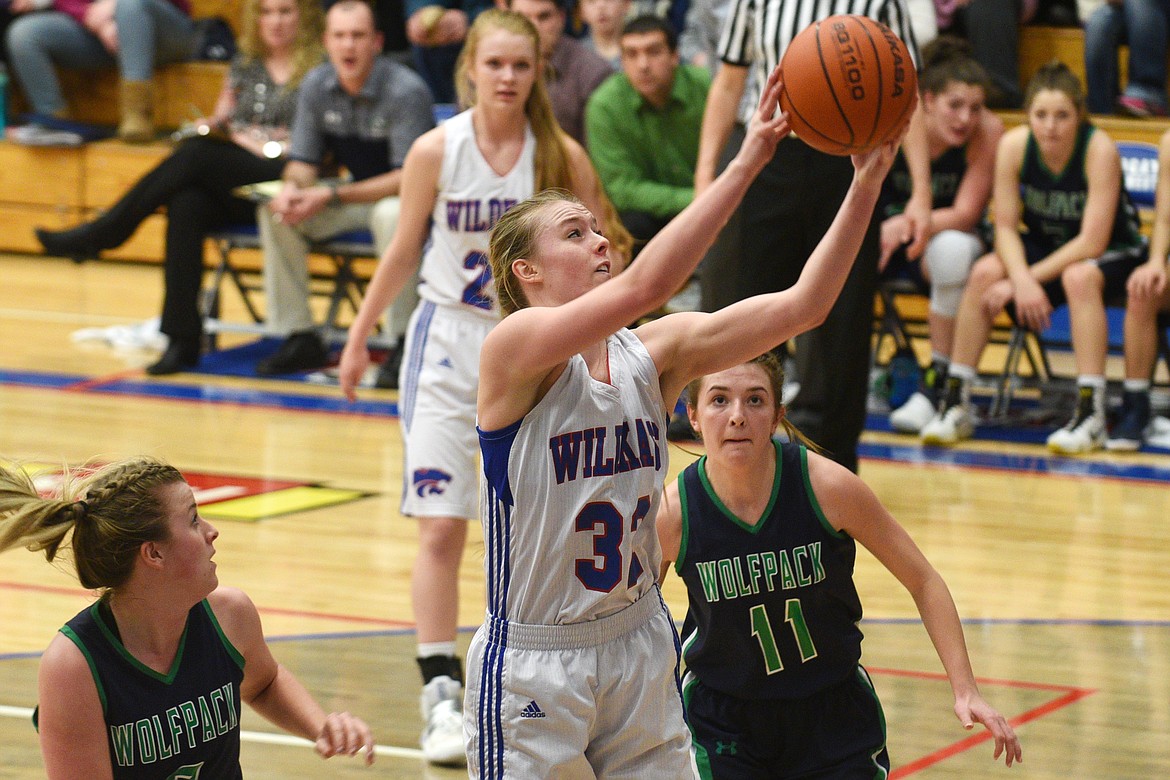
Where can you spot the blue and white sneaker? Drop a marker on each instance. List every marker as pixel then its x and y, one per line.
pixel 441 704
pixel 1130 432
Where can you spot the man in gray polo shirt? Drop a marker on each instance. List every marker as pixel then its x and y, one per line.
pixel 361 111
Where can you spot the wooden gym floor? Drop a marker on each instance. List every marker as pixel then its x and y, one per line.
pixel 1058 566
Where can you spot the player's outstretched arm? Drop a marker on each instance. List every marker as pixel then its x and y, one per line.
pixel 528 344
pixel 275 693
pixel 690 344
pixel 851 506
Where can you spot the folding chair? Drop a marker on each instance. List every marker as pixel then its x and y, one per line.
pixel 227 241
pixel 346 288
pixel 1021 342
pixel 893 324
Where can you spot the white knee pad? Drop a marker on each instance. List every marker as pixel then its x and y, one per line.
pixel 949 256
pixel 383 221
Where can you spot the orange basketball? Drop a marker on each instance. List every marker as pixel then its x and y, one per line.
pixel 849 83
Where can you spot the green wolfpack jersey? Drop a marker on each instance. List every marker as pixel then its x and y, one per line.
pixel 1054 201
pixel 773 610
pixel 181 725
pixel 946 174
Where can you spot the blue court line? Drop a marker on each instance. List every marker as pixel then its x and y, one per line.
pixel 1086 622
pixel 206 393
pixel 1035 464
pixel 38 379
pixel 19 656
pixel 909 453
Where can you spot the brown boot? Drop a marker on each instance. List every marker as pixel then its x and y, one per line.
pixel 137 105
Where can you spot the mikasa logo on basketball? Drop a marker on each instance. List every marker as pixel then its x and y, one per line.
pixel 852 65
pixel 896 49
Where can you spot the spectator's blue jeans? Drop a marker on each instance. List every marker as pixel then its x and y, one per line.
pixel 150 33
pixel 1142 24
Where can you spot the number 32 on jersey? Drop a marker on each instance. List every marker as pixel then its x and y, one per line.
pixel 607 568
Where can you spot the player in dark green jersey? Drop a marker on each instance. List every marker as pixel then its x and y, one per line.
pixel 147 682
pixel 763 534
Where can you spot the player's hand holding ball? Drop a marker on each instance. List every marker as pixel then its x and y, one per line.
pixel 768 125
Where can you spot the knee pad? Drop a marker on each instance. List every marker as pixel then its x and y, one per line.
pixel 384 221
pixel 949 257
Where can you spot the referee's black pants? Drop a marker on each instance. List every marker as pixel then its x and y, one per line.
pixel 785 213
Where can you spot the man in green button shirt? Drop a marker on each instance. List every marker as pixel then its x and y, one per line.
pixel 642 128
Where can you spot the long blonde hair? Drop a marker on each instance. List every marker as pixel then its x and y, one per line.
pixel 552 157
pixel 110 513
pixel 308 51
pixel 513 237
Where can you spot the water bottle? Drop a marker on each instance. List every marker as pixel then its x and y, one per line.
pixel 3 99
pixel 905 377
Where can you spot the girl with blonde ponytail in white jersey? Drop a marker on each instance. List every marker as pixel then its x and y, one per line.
pixel 457 180
pixel 575 670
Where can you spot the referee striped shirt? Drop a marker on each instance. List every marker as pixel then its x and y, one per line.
pixel 756 32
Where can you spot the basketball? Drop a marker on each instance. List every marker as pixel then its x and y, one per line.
pixel 849 83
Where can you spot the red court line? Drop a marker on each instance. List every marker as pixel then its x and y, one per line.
pixel 98 381
pixel 981 680
pixel 263 610
pixel 1071 695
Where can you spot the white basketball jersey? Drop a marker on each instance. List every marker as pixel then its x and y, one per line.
pixel 472 197
pixel 571 491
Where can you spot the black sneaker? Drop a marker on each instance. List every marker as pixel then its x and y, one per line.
pixel 301 351
pixel 1130 432
pixel 178 357
pixel 387 376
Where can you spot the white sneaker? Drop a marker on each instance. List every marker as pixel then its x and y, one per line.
pixel 912 416
pixel 949 426
pixel 1082 434
pixel 441 704
pixel 1158 433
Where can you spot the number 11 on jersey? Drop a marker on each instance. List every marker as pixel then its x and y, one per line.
pixel 762 631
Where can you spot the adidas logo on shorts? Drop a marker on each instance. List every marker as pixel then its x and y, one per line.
pixel 533 710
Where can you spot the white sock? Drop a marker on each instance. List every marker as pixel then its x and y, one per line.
pixel 428 649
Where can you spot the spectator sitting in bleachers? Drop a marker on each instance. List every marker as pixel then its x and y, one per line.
pixel 1148 295
pixel 993 28
pixel 673 11
pixel 1143 25
pixel 135 35
pixel 573 70
pixel 961 136
pixel 280 42
pixel 643 128
pixel 605 19
pixel 1061 177
pixel 363 111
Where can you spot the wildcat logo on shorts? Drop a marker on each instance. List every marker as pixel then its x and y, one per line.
pixel 430 482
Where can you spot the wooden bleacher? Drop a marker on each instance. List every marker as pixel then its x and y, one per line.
pixel 56 187
pixel 60 187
